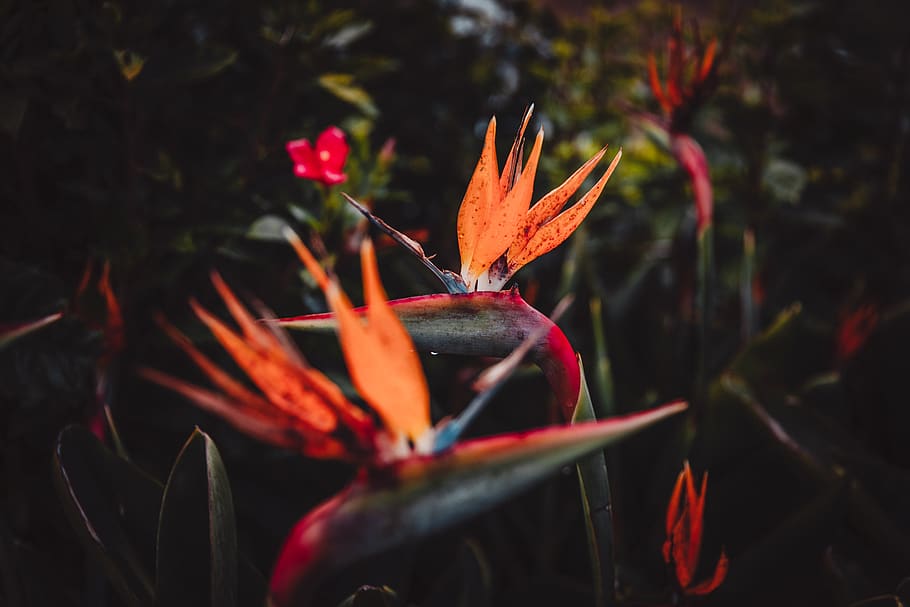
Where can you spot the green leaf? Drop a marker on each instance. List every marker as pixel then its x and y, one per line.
pixel 484 323
pixel 597 505
pixel 197 541
pixel 411 498
pixel 267 227
pixel 113 506
pixel 343 87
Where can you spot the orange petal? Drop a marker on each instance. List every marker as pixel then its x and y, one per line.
pixel 284 385
pixel 113 330
pixel 481 196
pixel 685 568
pixel 227 384
pixel 707 62
pixel 656 87
pixel 252 331
pixel 271 426
pixel 708 586
pixel 693 525
pixel 307 258
pixel 556 231
pixel 380 355
pixel 673 512
pixel 505 219
pixel 512 167
pixel 551 204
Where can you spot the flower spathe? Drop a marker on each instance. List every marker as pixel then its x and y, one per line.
pixel 498 229
pixel 298 407
pixel 682 548
pixel 325 163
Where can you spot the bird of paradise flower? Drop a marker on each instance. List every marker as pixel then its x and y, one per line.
pixel 685 522
pixel 405 488
pixel 499 232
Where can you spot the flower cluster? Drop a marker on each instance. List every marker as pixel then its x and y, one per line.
pixel 682 548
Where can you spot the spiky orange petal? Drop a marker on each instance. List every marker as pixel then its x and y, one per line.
pixel 656 87
pixel 481 196
pixel 673 514
pixel 707 61
pixel 710 585
pixel 380 355
pixel 283 385
pixel 227 384
pixel 307 258
pixel 556 231
pixel 505 219
pixel 512 167
pixel 547 207
pixel 271 426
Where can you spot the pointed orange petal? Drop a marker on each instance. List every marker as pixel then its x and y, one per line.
pixel 227 384
pixel 709 586
pixel 482 195
pixel 284 385
pixel 110 300
pixel 380 355
pixel 685 568
pixel 307 258
pixel 83 282
pixel 555 232
pixel 513 161
pixel 507 217
pixel 271 426
pixel 693 524
pixel 551 204
pixel 251 329
pixel 656 87
pixel 673 505
pixel 113 324
pixel 707 61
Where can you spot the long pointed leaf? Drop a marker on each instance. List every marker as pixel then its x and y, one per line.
pixel 484 323
pixel 113 506
pixel 417 496
pixel 597 505
pixel 197 540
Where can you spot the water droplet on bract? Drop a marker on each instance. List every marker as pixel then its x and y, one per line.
pixel 434 353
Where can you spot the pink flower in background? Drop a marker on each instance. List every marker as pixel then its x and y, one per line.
pixel 325 163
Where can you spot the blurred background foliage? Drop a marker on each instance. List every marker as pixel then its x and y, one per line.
pixel 151 136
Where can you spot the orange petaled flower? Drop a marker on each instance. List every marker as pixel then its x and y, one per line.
pixel 297 406
pixel 498 230
pixel 688 73
pixel 682 547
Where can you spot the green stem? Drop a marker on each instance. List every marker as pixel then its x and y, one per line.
pixel 704 295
